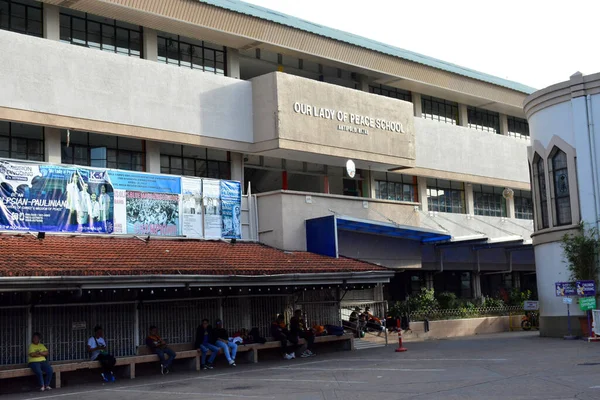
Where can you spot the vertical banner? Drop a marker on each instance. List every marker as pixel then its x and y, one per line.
pixel 146 204
pixel 55 198
pixel 231 203
pixel 191 204
pixel 211 196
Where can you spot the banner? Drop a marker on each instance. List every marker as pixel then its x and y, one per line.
pixel 53 198
pixel 191 203
pixel 231 205
pixel 63 198
pixel 211 197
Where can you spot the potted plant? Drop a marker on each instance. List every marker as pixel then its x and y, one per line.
pixel 581 255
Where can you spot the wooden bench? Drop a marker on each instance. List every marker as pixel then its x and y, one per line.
pixel 183 351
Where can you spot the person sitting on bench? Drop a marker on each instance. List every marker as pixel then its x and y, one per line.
pixel 38 362
pixel 96 346
pixel 221 340
pixel 159 346
pixel 280 333
pixel 204 339
pixel 298 330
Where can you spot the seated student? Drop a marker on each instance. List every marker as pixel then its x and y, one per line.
pixel 280 333
pixel 37 359
pixel 204 339
pixel 96 346
pixel 221 340
pixel 298 329
pixel 372 322
pixel 155 343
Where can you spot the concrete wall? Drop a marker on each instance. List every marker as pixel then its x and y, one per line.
pixel 391 252
pixel 460 150
pixel 60 79
pixel 459 327
pixel 303 131
pixel 282 214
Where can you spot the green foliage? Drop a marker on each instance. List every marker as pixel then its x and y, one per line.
pixel 517 297
pixel 447 300
pixel 398 309
pixel 425 300
pixel 491 302
pixel 581 254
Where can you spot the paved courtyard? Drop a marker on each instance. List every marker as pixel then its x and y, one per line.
pixel 503 366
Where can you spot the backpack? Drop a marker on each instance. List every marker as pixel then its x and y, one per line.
pixel 255 336
pixel 335 330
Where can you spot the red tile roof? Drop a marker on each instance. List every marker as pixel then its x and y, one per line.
pixel 57 255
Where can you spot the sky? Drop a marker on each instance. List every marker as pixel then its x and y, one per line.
pixel 533 42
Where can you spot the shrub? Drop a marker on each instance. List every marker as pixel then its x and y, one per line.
pixel 447 300
pixel 423 301
pixel 493 303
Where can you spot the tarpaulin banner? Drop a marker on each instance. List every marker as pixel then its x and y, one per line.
pixel 211 200
pixel 191 190
pixel 231 206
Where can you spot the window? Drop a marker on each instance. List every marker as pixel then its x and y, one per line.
pixel 100 33
pixel 439 110
pixel 518 127
pixel 404 190
pixel 445 196
pixel 562 198
pixel 21 141
pixel 523 205
pixel 22 16
pixel 102 151
pixel 484 120
pixel 539 177
pixel 388 91
pixel 194 161
pixel 190 53
pixel 488 201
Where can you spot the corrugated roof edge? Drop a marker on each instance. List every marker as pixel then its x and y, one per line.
pixel 288 20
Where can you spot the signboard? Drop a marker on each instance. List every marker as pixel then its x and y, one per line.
pixel 565 289
pixel 587 303
pixel 63 198
pixel 531 305
pixel 79 326
pixel 586 288
pixel 567 300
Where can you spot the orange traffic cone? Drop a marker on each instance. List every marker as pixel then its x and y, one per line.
pixel 400 348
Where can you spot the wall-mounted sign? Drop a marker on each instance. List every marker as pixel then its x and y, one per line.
pixel 357 123
pixel 530 305
pixel 567 300
pixel 565 289
pixel 586 288
pixel 350 168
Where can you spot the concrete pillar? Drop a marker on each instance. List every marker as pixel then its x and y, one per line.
pixel 52 146
pixel 422 188
pixel 51 22
pixel 417 104
pixel 152 157
pixel 372 185
pixel 469 199
pixel 510 207
pixel 363 83
pixel 150 44
pixel 233 63
pixel 463 115
pixel 503 125
pixel 237 167
pixel 476 284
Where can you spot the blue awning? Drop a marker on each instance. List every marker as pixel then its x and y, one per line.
pixel 321 233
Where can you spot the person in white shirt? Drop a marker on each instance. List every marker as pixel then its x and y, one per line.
pixel 96 346
pixel 73 203
pixel 95 210
pixel 104 201
pixel 85 206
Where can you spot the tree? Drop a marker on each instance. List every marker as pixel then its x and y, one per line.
pixel 581 254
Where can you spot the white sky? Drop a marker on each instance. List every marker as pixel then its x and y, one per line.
pixel 534 42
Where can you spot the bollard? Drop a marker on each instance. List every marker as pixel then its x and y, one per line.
pixel 400 348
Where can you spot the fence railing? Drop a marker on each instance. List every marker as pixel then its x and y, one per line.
pixel 457 313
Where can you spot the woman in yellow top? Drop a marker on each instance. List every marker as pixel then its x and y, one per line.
pixel 38 363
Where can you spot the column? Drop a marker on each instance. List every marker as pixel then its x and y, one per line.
pixel 233 63
pixel 476 284
pixel 372 185
pixel 52 150
pixel 51 22
pixel 363 83
pixel 152 157
pixel 463 115
pixel 150 44
pixel 237 167
pixel 503 125
pixel 510 207
pixel 469 198
pixel 417 104
pixel 422 188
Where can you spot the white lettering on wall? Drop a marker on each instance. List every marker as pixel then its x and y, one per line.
pixel 361 121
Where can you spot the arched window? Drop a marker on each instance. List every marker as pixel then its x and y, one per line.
pixel 562 198
pixel 540 181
